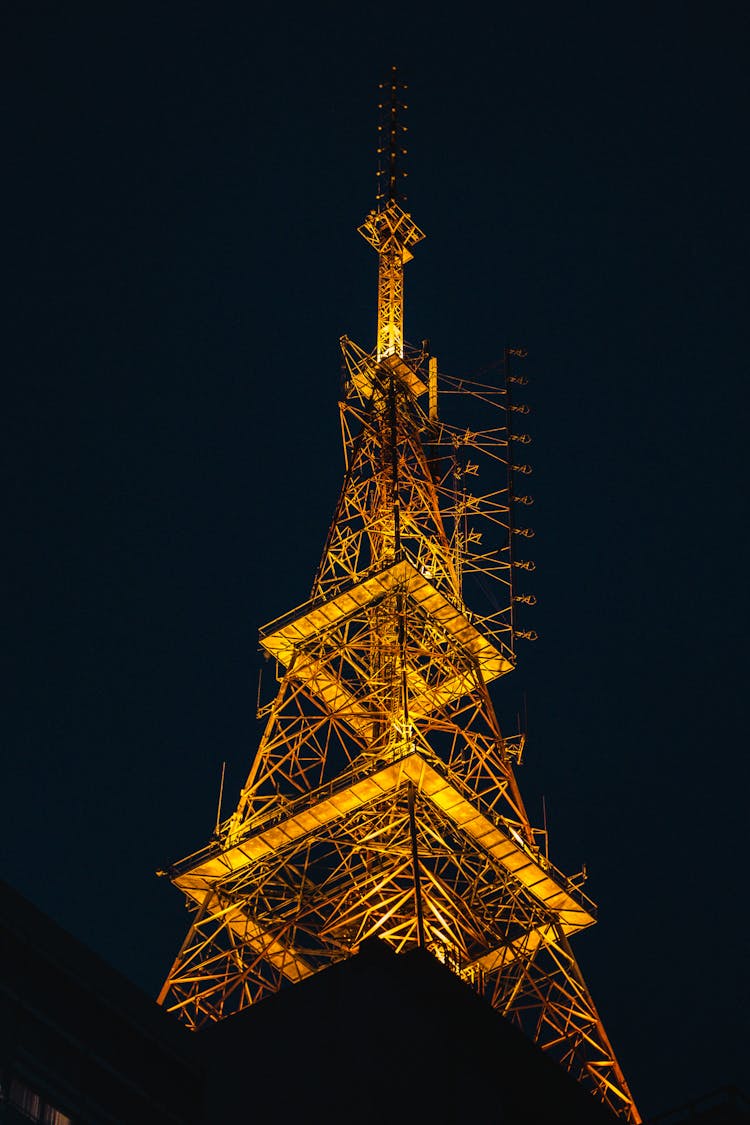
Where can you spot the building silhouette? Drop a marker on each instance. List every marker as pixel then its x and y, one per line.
pixel 378 1036
pixel 81 1045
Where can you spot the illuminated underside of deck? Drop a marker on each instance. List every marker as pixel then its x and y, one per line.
pixel 364 382
pixel 206 872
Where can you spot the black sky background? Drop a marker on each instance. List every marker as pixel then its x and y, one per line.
pixel 183 187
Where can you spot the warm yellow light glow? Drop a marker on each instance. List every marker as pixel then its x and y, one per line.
pixel 382 799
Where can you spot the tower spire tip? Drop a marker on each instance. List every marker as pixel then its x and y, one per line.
pixel 390 148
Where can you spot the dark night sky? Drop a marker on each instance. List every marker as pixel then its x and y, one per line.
pixel 181 258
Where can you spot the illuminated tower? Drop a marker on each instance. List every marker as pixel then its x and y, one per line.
pixel 382 800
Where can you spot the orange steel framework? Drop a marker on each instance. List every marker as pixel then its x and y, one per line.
pixel 382 800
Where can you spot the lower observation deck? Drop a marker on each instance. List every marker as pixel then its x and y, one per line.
pixel 563 907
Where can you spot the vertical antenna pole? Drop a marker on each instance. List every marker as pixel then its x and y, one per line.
pixel 390 142
pixel 221 798
pixel 546 832
pixel 415 865
pixel 509 422
pixel 433 389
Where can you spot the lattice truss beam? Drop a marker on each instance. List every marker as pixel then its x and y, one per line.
pixel 382 799
pixel 448 481
pixel 392 232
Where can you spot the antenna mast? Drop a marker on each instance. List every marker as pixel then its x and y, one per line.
pixel 388 228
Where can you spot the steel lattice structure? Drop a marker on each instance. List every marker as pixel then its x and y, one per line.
pixel 382 800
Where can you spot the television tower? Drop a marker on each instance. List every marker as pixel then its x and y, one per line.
pixel 383 800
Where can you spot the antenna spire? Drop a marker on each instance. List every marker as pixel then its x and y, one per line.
pixel 388 228
pixel 390 141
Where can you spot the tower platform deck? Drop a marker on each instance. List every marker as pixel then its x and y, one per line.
pixel 204 873
pixel 286 640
